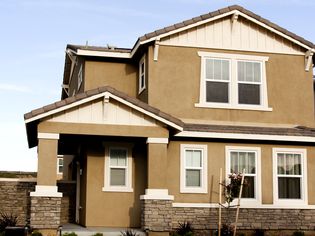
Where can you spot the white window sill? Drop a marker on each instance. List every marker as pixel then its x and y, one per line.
pixel 117 189
pixel 234 107
pixel 288 202
pixel 193 190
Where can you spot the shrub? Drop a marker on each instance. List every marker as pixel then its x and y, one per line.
pixel 227 230
pixel 259 232
pixel 298 233
pixel 7 220
pixel 70 234
pixel 98 234
pixel 36 233
pixel 184 229
pixel 129 232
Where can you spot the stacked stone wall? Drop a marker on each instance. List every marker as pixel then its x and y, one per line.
pixel 15 199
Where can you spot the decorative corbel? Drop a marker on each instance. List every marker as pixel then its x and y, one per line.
pixel 105 106
pixel 234 19
pixel 308 59
pixel 156 49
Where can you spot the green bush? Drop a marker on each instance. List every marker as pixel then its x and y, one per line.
pixel 70 234
pixel 184 229
pixel 7 220
pixel 98 234
pixel 298 233
pixel 129 232
pixel 36 233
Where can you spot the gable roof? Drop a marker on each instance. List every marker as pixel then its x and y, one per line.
pixel 187 24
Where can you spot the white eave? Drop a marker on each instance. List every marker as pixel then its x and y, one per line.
pixel 83 52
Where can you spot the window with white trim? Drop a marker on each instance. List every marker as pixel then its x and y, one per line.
pixel 193 171
pixel 239 159
pixel 289 175
pixel 59 165
pixel 233 81
pixel 80 77
pixel 141 83
pixel 118 169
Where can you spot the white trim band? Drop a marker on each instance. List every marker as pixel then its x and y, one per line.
pixel 48 136
pixel 157 140
pixel 261 206
pixel 156 194
pixel 197 134
pixel 45 191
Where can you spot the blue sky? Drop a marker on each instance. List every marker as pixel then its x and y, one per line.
pixel 34 34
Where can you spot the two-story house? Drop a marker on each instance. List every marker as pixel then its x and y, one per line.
pixel 150 127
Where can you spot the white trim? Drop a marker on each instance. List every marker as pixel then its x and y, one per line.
pixel 106 94
pixel 48 136
pixel 304 187
pixel 83 52
pixel 157 140
pixel 197 134
pixel 257 150
pixel 45 191
pixel 262 206
pixel 204 169
pixel 233 95
pixel 156 194
pixel 128 168
pixel 142 73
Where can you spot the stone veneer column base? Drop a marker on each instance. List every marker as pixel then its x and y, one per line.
pixel 45 212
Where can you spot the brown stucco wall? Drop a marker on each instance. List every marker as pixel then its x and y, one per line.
pixel 176 75
pixel 119 75
pixel 216 160
pixel 114 209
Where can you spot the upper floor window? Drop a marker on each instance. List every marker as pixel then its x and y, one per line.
pixel 239 159
pixel 193 168
pixel 289 175
pixel 80 77
pixel 118 169
pixel 59 165
pixel 233 81
pixel 141 74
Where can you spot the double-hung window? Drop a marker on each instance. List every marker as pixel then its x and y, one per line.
pixel 289 175
pixel 239 159
pixel 60 165
pixel 193 169
pixel 141 82
pixel 233 81
pixel 118 170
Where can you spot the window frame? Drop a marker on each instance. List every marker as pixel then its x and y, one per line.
pixel 58 165
pixel 141 86
pixel 204 170
pixel 303 185
pixel 80 77
pixel 233 93
pixel 246 201
pixel 107 167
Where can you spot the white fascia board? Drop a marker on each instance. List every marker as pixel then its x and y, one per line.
pixel 105 94
pixel 82 52
pixel 197 134
pixel 157 140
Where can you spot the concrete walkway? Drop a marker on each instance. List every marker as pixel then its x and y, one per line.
pixel 82 231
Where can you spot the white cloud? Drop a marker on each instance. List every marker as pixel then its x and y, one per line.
pixel 14 88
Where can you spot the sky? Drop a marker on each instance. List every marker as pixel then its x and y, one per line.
pixel 34 35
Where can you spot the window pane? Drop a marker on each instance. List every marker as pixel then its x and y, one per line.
pixel 251 168
pixel 217 69
pixel 118 157
pixel 289 187
pixel 249 187
pixel 234 162
pixel 217 92
pixel 281 164
pixel 249 94
pixel 193 178
pixel 249 71
pixel 225 70
pixel 209 69
pixel 257 72
pixel 241 71
pixel 193 158
pixel 297 164
pixel 117 177
pixel 189 157
pixel 242 162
